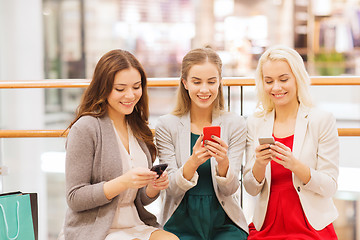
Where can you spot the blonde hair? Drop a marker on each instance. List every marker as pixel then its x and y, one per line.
pixel 196 57
pixel 296 64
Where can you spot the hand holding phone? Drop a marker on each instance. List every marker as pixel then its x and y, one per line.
pixel 266 140
pixel 159 169
pixel 209 131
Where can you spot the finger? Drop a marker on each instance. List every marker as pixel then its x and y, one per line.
pixel 204 156
pixel 262 147
pixel 145 179
pixel 140 184
pixel 142 172
pixel 223 147
pixel 278 155
pixel 218 140
pixel 162 178
pixel 263 153
pixel 282 146
pixel 264 156
pixel 161 181
pixel 220 151
pixel 213 144
pixel 162 187
pixel 212 154
pixel 200 153
pixel 281 162
pixel 278 149
pixel 258 149
pixel 151 176
pixel 145 182
pixel 164 175
pixel 198 141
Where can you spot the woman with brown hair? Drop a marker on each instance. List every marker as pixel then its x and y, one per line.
pixel 202 200
pixel 109 151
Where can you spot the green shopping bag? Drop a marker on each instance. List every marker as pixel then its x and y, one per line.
pixel 16 216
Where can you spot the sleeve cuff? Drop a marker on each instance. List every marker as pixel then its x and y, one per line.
pixel 145 199
pixel 311 184
pixel 183 183
pixel 99 197
pixel 224 180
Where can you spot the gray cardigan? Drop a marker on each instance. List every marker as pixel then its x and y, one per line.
pixel 92 158
pixel 173 142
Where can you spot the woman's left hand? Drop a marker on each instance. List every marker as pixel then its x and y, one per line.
pixel 283 155
pixel 218 149
pixel 161 183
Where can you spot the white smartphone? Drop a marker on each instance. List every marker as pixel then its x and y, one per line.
pixel 266 140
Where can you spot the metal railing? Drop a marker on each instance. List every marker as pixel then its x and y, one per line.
pixel 157 82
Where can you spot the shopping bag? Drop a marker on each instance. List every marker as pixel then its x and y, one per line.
pixel 18 216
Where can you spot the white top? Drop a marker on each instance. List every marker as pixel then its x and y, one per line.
pixel 127 223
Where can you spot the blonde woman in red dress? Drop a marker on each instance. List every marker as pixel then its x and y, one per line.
pixel 296 178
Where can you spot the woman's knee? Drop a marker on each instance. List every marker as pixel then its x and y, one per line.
pixel 163 235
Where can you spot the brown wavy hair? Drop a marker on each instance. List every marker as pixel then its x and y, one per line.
pixel 94 100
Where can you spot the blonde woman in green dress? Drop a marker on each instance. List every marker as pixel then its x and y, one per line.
pixel 202 200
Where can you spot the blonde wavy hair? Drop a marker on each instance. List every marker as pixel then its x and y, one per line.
pixel 196 57
pixel 296 63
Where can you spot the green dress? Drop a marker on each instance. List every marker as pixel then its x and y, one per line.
pixel 200 215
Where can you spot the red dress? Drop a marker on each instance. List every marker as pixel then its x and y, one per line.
pixel 285 218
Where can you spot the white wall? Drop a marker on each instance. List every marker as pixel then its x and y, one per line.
pixel 21 58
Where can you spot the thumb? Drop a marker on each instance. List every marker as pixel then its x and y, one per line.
pixel 198 141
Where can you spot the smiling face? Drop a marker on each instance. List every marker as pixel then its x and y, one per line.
pixel 202 84
pixel 125 94
pixel 279 83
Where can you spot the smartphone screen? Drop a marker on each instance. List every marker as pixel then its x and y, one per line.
pixel 266 140
pixel 159 169
pixel 209 131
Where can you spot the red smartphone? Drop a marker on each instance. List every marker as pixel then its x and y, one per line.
pixel 209 131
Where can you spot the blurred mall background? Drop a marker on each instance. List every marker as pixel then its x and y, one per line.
pixel 63 39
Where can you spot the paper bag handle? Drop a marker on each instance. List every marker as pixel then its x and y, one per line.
pixel 6 224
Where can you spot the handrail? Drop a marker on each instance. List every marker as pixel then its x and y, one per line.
pixel 32 133
pixel 154 82
pixel 349 132
pixel 168 82
pixel 343 132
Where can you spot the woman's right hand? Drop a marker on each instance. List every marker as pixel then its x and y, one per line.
pixel 263 155
pixel 262 158
pixel 200 154
pixel 134 178
pixel 138 177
